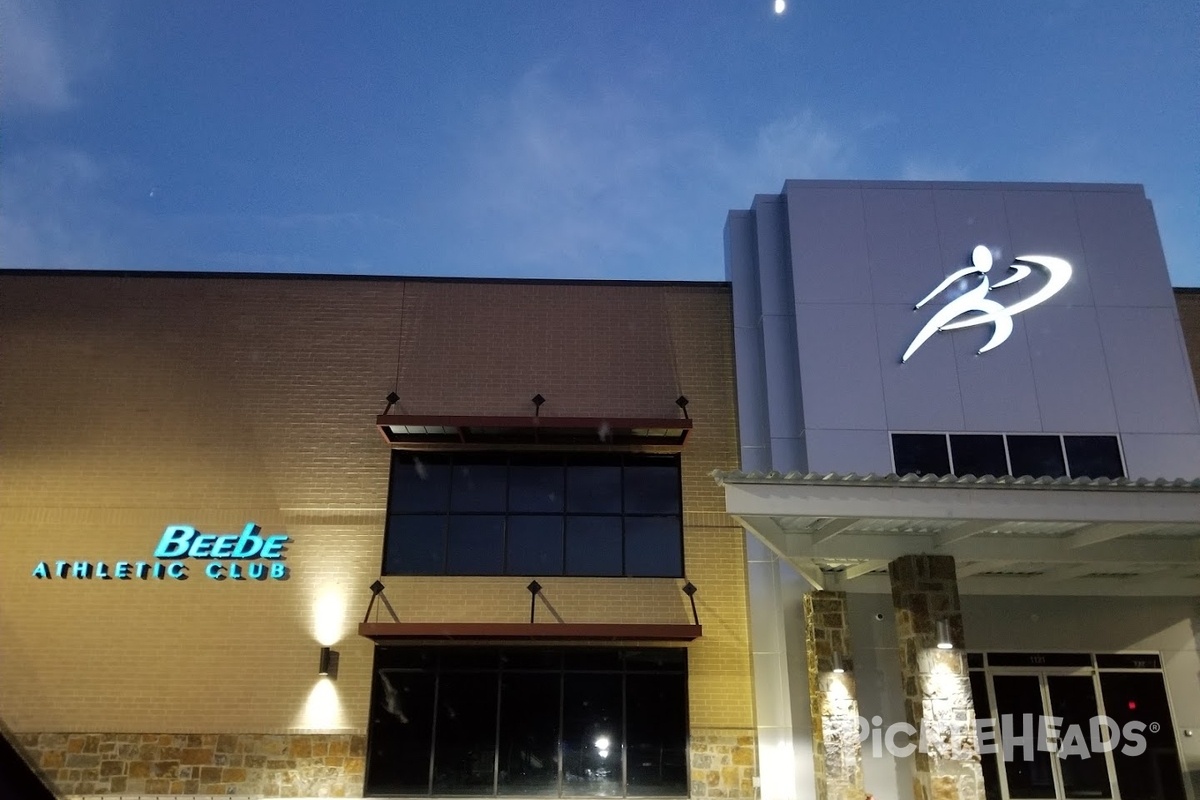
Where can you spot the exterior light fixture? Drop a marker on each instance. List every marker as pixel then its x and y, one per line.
pixel 537 404
pixel 534 587
pixel 690 590
pixel 392 399
pixel 943 635
pixel 838 665
pixel 328 664
pixel 682 402
pixel 377 594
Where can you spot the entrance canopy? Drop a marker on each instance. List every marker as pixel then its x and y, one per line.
pixel 1007 535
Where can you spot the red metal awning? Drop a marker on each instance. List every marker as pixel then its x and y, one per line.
pixel 435 432
pixel 520 631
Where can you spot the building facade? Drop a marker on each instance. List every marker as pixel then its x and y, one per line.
pixel 969 444
pixel 309 537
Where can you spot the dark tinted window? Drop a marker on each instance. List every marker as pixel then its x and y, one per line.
pixel 656 659
pixel 534 514
pixel 416 545
pixel 476 545
pixel 594 488
pixel 1094 456
pixel 1039 660
pixel 535 486
pixel 535 545
pixel 465 749
pixel 1030 774
pixel 419 483
pixel 529 734
pixel 655 725
pixel 1128 661
pixel 401 732
pixel 589 660
pixel 563 722
pixel 983 711
pixel 978 454
pixel 652 546
pixel 594 546
pixel 920 453
pixel 479 487
pixel 1139 699
pixel 652 486
pixel 1036 456
pixel 592 742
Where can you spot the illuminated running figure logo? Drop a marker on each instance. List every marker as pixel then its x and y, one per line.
pixel 974 307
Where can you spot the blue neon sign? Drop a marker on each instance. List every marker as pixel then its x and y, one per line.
pixel 238 557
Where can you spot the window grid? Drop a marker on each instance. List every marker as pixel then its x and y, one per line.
pixel 675 668
pixel 1062 446
pixel 623 462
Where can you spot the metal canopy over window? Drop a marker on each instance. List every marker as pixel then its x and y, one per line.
pixel 540 631
pixel 1007 535
pixel 436 432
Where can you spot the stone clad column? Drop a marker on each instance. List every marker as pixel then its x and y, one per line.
pixel 837 751
pixel 937 689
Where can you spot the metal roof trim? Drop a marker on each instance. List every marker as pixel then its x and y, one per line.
pixel 797 478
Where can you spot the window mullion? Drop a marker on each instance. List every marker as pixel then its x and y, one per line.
pixel 496 749
pixel 437 685
pixel 624 731
pixel 562 692
pixel 624 569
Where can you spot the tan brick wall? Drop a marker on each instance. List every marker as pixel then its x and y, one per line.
pixel 128 403
pixel 1188 301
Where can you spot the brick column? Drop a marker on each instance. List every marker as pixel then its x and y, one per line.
pixel 937 691
pixel 837 752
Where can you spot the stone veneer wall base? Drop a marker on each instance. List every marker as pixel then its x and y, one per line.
pixel 833 699
pixel 133 765
pixel 936 685
pixel 217 765
pixel 724 763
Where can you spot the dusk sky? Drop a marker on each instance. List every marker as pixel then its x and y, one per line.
pixel 573 139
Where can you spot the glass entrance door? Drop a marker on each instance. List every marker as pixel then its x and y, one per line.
pixel 1075 725
pixel 1082 771
pixel 1050 740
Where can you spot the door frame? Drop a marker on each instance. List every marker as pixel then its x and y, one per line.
pixel 979 662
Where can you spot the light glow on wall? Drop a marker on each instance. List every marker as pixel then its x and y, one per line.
pixel 777 770
pixel 323 709
pixel 329 616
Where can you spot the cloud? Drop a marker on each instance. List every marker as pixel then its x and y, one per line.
pixel 602 180
pixel 63 208
pixel 34 69
pixel 53 213
pixel 927 169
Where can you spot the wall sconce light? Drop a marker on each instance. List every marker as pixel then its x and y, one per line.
pixel 534 587
pixel 328 664
pixel 682 402
pixel 838 665
pixel 943 635
pixel 690 590
pixel 537 403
